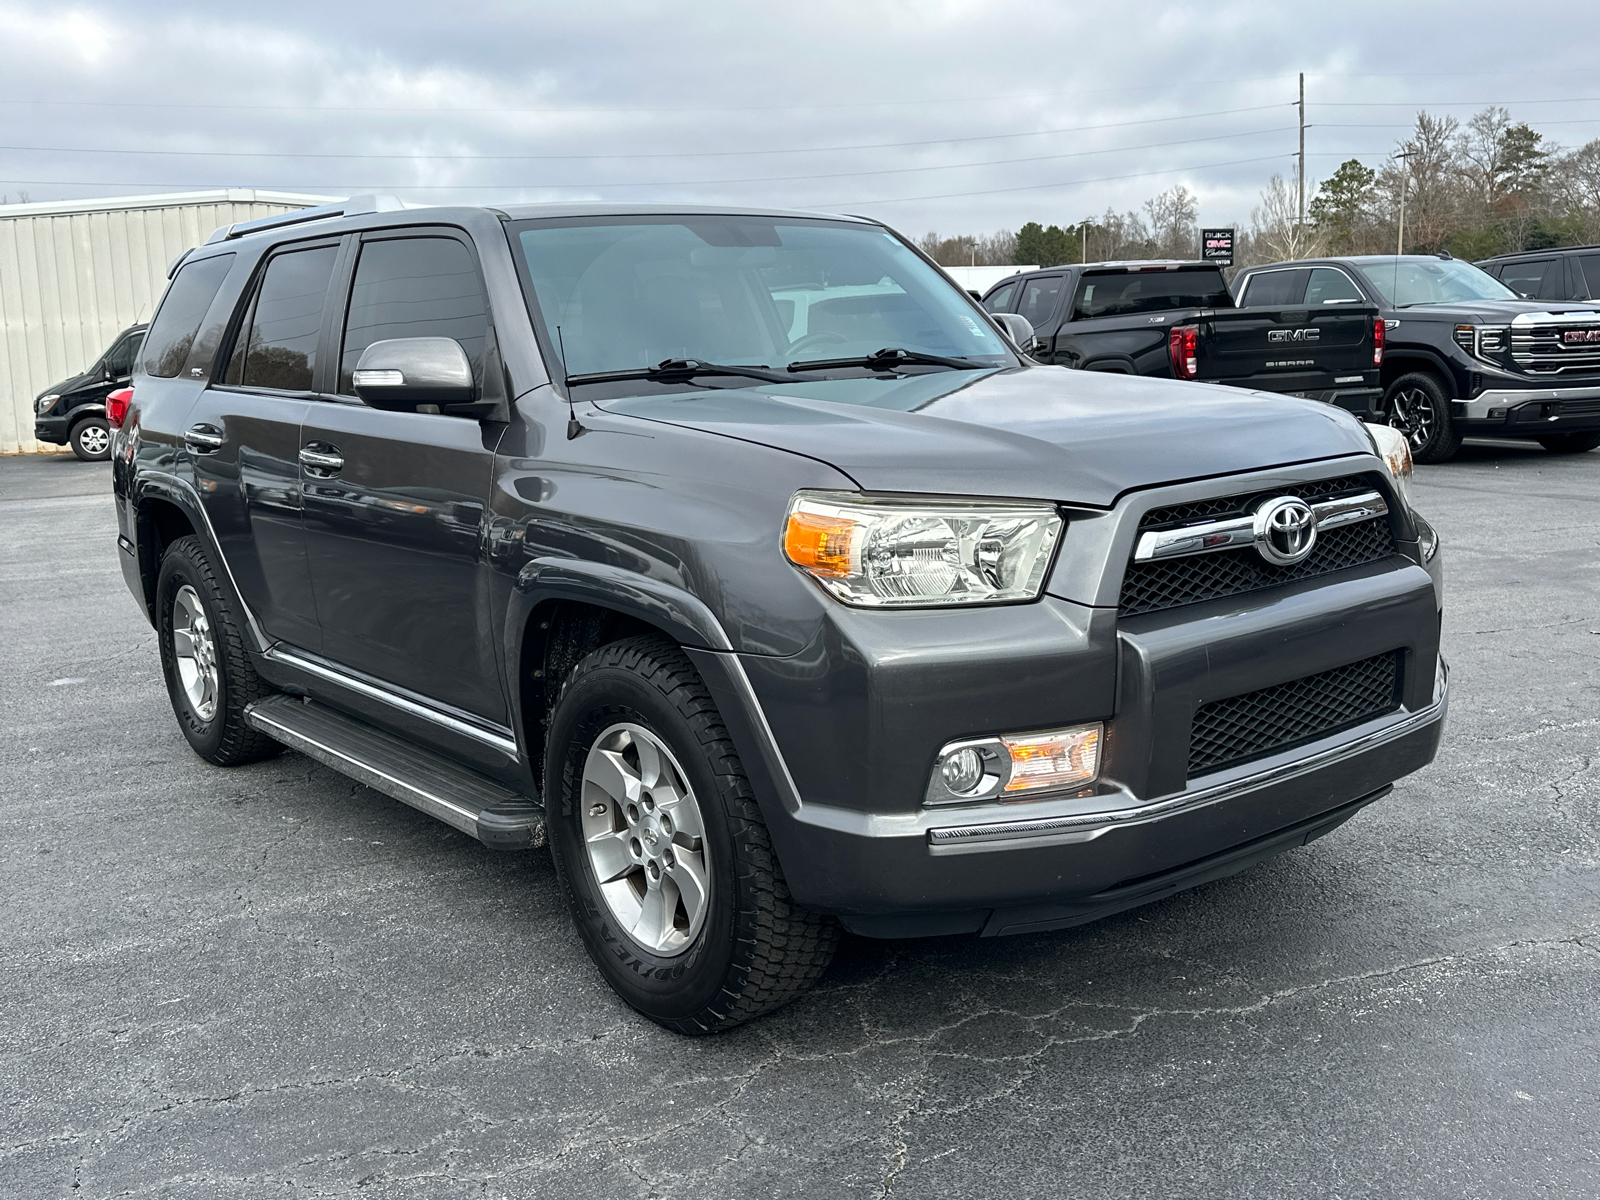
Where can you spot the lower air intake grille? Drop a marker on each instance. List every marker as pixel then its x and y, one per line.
pixel 1226 732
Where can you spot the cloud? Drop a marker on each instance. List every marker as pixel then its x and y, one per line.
pixel 955 115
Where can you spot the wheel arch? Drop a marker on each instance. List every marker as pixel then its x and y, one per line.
pixel 1407 362
pixel 160 521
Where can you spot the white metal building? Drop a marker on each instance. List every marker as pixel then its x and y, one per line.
pixel 75 273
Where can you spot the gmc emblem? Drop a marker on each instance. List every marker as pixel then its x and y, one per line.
pixel 1577 337
pixel 1293 335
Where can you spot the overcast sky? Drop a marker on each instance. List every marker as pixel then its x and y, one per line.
pixel 957 116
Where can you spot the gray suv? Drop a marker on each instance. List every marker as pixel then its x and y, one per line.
pixel 742 559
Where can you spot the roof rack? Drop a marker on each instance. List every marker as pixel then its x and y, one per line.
pixel 355 206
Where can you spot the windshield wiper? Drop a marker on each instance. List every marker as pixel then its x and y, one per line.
pixel 675 369
pixel 887 359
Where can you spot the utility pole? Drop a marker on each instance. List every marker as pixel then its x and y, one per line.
pixel 1084 253
pixel 1302 218
pixel 1400 240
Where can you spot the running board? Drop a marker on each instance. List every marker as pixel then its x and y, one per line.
pixel 440 787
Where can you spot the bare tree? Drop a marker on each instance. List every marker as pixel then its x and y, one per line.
pixel 1276 232
pixel 1172 222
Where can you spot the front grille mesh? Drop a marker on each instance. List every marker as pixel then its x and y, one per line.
pixel 1154 586
pixel 1232 731
pixel 1541 352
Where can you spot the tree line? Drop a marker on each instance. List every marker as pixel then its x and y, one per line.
pixel 1491 186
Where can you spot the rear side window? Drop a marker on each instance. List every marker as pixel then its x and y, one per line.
pixel 415 287
pixel 1590 264
pixel 997 300
pixel 1275 289
pixel 1526 279
pixel 1039 298
pixel 1121 292
pixel 277 346
pixel 1330 286
pixel 167 344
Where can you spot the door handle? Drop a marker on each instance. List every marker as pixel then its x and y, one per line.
pixel 203 439
pixel 327 461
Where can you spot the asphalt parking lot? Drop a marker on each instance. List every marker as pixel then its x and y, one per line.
pixel 271 981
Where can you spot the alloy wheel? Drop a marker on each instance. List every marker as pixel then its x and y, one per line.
pixel 95 440
pixel 195 652
pixel 645 839
pixel 1411 412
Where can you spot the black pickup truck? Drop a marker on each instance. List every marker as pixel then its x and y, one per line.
pixel 1465 355
pixel 1177 320
pixel 738 557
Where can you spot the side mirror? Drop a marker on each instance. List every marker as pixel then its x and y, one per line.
pixel 1019 328
pixel 406 374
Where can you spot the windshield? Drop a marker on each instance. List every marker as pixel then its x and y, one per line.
pixel 1406 281
pixel 622 293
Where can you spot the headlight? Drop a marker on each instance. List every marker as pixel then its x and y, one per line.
pixel 1395 451
pixel 43 403
pixel 921 551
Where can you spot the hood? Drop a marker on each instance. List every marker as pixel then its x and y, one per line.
pixel 75 383
pixel 1491 311
pixel 1034 432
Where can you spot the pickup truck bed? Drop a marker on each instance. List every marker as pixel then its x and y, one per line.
pixel 1176 320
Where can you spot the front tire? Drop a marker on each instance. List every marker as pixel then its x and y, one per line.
pixel 210 678
pixel 1418 407
pixel 667 862
pixel 1570 443
pixel 91 439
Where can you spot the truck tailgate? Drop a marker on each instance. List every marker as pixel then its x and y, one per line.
pixel 1289 349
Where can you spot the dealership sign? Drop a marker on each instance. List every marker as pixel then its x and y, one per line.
pixel 1216 246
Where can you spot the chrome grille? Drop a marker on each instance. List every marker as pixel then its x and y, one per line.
pixel 1171 583
pixel 1235 730
pixel 1540 351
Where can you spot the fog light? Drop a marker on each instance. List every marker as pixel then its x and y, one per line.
pixel 1006 766
pixel 962 770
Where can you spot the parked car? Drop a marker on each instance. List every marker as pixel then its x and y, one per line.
pixel 552 522
pixel 1569 273
pixel 1465 357
pixel 73 412
pixel 1177 320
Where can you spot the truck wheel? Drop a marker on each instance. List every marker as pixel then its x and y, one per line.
pixel 210 677
pixel 1570 443
pixel 666 860
pixel 91 439
pixel 1418 408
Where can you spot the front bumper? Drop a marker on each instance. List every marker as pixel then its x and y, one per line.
pixel 56 430
pixel 1530 412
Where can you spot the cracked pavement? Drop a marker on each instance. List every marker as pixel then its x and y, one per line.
pixel 272 981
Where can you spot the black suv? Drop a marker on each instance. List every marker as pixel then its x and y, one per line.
pixel 1465 356
pixel 741 558
pixel 1570 273
pixel 73 412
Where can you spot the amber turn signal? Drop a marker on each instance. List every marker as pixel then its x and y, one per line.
pixel 820 544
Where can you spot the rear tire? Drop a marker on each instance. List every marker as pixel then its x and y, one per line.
pixel 1418 407
pixel 210 678
pixel 634 738
pixel 1570 443
pixel 91 439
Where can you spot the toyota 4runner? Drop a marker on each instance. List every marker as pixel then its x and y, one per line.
pixel 741 558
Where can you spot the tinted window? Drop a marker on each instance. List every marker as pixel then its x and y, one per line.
pixel 415 287
pixel 1039 298
pixel 1527 278
pixel 119 363
pixel 278 346
pixel 1120 292
pixel 999 298
pixel 1403 282
pixel 1274 289
pixel 1330 286
pixel 167 344
pixel 1591 272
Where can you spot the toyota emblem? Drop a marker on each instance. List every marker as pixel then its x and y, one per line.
pixel 1285 531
